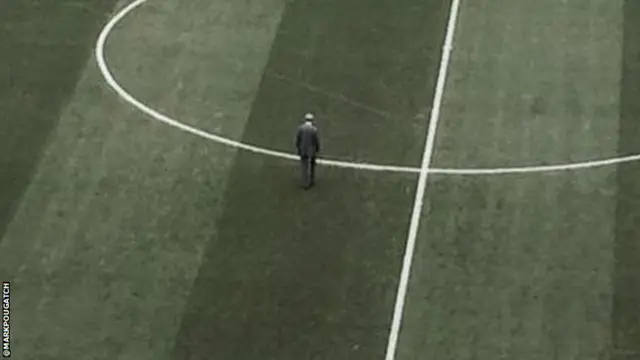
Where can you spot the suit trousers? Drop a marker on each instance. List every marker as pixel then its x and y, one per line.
pixel 308 168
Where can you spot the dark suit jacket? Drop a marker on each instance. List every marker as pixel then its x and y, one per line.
pixel 307 140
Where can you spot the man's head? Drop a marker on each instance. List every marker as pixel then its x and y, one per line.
pixel 309 117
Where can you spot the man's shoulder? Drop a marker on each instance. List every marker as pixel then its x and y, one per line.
pixel 307 127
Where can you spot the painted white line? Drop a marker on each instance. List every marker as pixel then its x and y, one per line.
pixel 108 76
pixel 154 114
pixel 539 169
pixel 416 213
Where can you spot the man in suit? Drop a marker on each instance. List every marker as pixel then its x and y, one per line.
pixel 308 147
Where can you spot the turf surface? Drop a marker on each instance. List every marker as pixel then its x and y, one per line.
pixel 104 246
pixel 44 48
pixel 626 298
pixel 313 275
pixel 127 239
pixel 520 266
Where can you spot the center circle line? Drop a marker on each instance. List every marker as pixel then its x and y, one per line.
pixel 125 95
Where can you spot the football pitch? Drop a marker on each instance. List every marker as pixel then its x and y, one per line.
pixel 478 196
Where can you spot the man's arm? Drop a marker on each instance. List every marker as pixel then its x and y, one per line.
pixel 298 140
pixel 317 140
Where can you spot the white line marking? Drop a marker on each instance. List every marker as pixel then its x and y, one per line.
pixel 108 76
pixel 539 169
pixel 422 182
pixel 111 81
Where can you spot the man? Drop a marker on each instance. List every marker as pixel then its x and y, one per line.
pixel 308 146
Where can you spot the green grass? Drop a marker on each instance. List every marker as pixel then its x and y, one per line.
pixel 108 237
pixel 41 65
pixel 127 239
pixel 314 274
pixel 626 300
pixel 521 266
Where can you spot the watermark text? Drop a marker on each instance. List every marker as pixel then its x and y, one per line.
pixel 6 319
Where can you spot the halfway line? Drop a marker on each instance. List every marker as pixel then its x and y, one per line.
pixel 422 183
